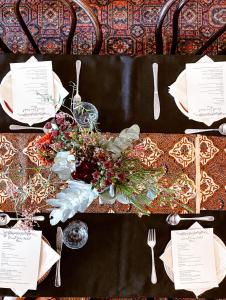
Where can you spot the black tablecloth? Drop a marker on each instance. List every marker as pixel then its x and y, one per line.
pixel 116 260
pixel 121 88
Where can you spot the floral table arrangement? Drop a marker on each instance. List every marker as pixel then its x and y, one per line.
pixel 96 165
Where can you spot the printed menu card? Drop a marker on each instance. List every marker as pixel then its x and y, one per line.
pixel 19 258
pixel 32 90
pixel 193 259
pixel 206 90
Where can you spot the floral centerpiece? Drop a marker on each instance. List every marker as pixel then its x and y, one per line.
pixel 96 165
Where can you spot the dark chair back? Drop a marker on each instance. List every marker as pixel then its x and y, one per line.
pixel 174 45
pixel 83 5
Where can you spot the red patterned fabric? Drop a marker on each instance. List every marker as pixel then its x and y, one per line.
pixel 128 26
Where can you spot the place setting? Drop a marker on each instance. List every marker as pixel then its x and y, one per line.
pixel 199 93
pixel 194 259
pixel 74 168
pixel 26 254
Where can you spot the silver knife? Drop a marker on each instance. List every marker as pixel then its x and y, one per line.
pixel 156 94
pixel 59 244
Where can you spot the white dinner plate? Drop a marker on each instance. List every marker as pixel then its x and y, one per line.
pixel 220 275
pixel 7 103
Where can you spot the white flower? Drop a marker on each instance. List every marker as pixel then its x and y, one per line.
pixel 64 164
pixel 76 198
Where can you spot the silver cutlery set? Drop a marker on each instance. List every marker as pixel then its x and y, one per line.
pixel 5 219
pixel 156 105
pixel 172 219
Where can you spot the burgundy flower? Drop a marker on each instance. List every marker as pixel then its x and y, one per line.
pixel 108 164
pixel 48 125
pixel 54 133
pixel 101 156
pixel 63 126
pixel 67 135
pixel 110 174
pixel 108 182
pixel 84 171
pixel 58 146
pixel 121 177
pixel 118 163
pixel 96 175
pixel 59 118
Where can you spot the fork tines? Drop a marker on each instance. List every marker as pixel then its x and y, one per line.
pixel 151 235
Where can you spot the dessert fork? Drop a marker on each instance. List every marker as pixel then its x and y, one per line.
pixel 151 243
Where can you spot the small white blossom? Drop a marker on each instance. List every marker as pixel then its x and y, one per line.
pixel 64 165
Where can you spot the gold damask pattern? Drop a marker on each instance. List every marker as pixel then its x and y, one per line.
pixel 7 151
pixel 183 152
pixel 207 150
pixel 150 152
pixel 175 151
pixel 37 187
pixel 185 188
pixel 208 186
pixel 31 152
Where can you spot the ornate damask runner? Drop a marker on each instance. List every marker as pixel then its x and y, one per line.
pixel 196 169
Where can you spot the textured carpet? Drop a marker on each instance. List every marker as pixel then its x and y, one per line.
pixel 127 25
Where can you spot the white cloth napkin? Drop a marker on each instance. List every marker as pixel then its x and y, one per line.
pixel 220 260
pixel 179 91
pixel 48 257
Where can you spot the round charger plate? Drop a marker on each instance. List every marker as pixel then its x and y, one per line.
pixel 6 97
pixel 169 271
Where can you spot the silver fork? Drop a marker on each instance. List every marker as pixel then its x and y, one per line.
pixel 77 98
pixel 151 243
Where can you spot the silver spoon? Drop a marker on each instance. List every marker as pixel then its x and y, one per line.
pixel 5 219
pixel 174 219
pixel 77 98
pixel 20 127
pixel 221 129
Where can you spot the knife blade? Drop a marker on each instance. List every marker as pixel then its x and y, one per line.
pixel 156 94
pixel 59 245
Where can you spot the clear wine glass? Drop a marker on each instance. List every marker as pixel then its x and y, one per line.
pixel 75 235
pixel 85 114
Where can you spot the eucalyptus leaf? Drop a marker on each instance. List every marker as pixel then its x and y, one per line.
pixel 124 140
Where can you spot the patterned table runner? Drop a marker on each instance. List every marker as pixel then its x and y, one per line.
pixel 196 169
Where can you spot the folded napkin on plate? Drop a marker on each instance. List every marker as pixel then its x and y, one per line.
pixel 179 91
pixel 220 260
pixel 48 257
pixel 57 84
pixel 6 91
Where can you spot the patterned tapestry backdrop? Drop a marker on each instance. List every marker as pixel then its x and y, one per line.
pixel 127 25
